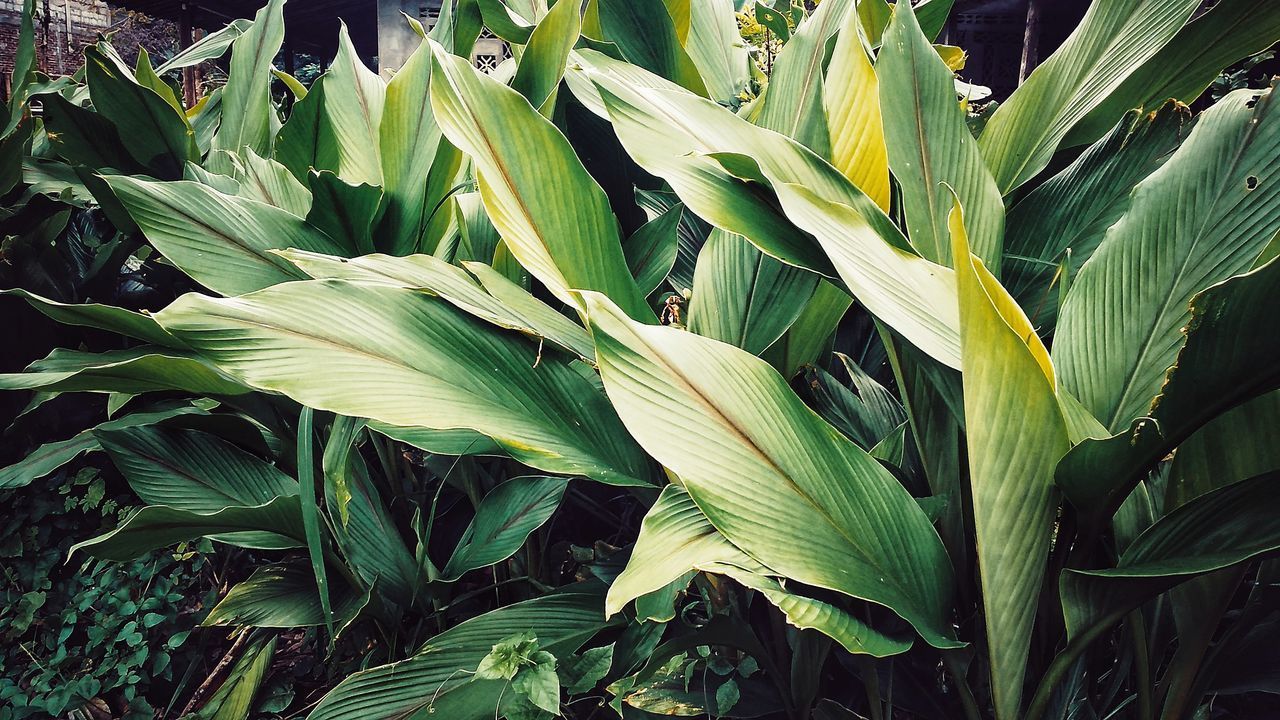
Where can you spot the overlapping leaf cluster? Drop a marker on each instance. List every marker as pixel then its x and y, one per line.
pixel 879 387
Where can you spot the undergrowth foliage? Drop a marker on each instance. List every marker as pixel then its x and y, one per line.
pixel 660 372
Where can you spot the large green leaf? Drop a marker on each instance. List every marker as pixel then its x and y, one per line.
pixel 665 131
pixel 136 370
pixel 345 212
pixel 279 596
pixel 675 537
pixel 49 457
pixel 351 117
pixel 414 155
pixel 191 470
pixel 222 242
pixel 652 249
pixel 743 297
pixel 408 359
pixel 792 104
pixel 1072 210
pixel 84 136
pixel 210 47
pixel 1183 69
pixel 269 182
pixel 1230 525
pixel 248 113
pixel 1204 216
pixel 505 518
pixel 157 526
pixel 103 317
pixel 769 474
pixel 647 36
pixel 196 472
pixel 930 145
pixel 303 142
pixel 1227 358
pixel 1016 436
pixel 552 215
pixel 435 682
pixel 153 132
pixel 369 538
pixel 716 49
pixel 851 98
pixel 482 292
pixel 1111 43
pixel 543 61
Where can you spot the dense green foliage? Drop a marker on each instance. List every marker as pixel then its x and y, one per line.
pixel 660 372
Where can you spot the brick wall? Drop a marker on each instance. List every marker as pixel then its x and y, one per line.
pixel 57 52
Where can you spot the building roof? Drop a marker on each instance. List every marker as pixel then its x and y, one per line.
pixel 312 24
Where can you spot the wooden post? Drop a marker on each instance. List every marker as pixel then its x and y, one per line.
pixel 1030 41
pixel 186 38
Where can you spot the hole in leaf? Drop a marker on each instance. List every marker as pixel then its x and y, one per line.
pixel 1252 101
pixel 1251 182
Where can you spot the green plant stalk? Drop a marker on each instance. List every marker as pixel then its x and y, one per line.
pixel 311 511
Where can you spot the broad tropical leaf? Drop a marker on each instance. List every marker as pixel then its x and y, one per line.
pixel 763 469
pixel 851 98
pixel 743 297
pixel 280 596
pixel 647 37
pixel 136 370
pixel 223 242
pixel 1115 38
pixel 1016 435
pixel 1225 360
pixel 553 216
pixel 248 115
pixel 1072 210
pixel 407 359
pixel 351 115
pixel 504 519
pixel 1203 217
pixel 430 682
pixel 930 147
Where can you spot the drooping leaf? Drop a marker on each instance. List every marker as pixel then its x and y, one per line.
pixel 763 468
pixel 136 370
pixel 103 317
pixel 157 526
pixel 930 145
pixel 1227 526
pixel 504 519
pixel 429 682
pixel 1016 436
pixel 279 596
pixel 483 293
pixel 552 215
pixel 81 135
pixel 1203 217
pixel 210 47
pixel 1112 41
pixel 49 457
pixel 408 359
pixel 223 242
